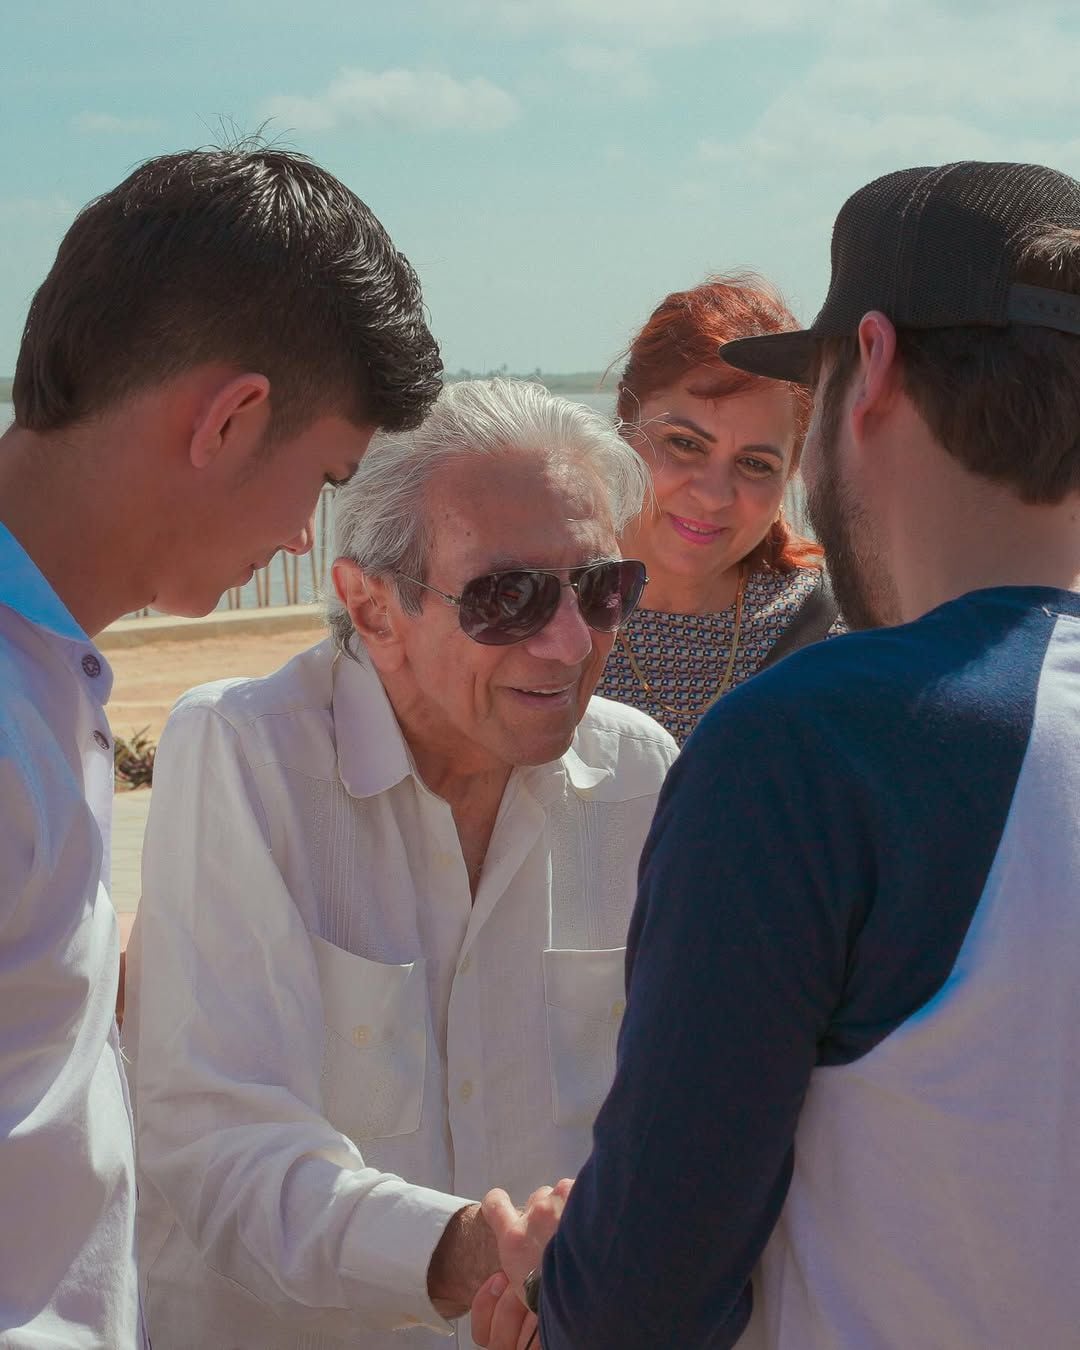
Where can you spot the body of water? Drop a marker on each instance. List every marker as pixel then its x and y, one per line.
pixel 602 402
pixel 302 580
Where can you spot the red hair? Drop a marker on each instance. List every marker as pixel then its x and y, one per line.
pixel 682 334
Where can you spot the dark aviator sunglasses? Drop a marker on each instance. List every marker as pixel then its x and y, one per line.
pixel 500 608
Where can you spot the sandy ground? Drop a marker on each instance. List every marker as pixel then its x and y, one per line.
pixel 148 679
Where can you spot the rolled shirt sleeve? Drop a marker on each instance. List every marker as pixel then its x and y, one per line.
pixel 225 1029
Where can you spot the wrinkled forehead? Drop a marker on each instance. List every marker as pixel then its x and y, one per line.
pixel 486 513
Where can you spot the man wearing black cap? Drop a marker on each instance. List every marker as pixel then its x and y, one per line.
pixel 849 1070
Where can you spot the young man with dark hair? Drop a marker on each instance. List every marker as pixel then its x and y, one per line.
pixel 849 1060
pixel 219 336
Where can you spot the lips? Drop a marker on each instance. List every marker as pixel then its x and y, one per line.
pixel 254 567
pixel 545 696
pixel 696 531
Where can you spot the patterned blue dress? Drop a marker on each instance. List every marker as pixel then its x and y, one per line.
pixel 684 656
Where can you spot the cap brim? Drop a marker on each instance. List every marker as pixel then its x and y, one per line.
pixel 776 356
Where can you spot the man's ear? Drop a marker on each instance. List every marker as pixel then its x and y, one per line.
pixel 877 380
pixel 234 420
pixel 373 607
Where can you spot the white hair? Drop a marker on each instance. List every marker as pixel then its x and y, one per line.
pixel 380 516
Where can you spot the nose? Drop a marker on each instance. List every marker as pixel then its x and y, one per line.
pixel 714 485
pixel 566 637
pixel 304 541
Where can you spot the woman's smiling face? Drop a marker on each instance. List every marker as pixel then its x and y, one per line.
pixel 719 469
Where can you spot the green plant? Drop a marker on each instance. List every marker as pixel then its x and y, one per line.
pixel 133 760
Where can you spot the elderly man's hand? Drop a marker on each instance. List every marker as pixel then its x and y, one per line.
pixel 522 1238
pixel 464 1259
pixel 500 1321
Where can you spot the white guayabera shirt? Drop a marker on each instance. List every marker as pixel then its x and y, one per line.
pixel 67 1190
pixel 334 1048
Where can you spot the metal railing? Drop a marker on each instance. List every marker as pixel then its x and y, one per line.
pixel 795 506
pixel 287 579
pixel 291 579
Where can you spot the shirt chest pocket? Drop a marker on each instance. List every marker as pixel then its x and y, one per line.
pixel 584 994
pixel 375 1048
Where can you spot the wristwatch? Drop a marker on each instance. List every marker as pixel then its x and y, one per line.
pixel 532 1290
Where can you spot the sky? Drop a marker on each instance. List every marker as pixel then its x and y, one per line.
pixel 552 168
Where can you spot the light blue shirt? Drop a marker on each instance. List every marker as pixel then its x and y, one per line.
pixel 67 1191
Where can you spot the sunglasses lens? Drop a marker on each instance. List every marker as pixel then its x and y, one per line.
pixel 609 592
pixel 508 607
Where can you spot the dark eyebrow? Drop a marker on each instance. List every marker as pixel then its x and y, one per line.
pixel 691 425
pixel 508 564
pixel 670 421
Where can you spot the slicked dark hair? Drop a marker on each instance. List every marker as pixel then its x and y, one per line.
pixel 251 256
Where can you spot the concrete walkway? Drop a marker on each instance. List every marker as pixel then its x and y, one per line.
pixel 129 822
pixel 222 623
pixel 123 640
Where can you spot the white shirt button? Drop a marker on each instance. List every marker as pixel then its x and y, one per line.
pixel 617 1009
pixel 361 1036
pixel 465 1091
pixel 466 963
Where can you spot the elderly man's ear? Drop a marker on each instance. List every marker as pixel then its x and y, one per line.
pixel 372 605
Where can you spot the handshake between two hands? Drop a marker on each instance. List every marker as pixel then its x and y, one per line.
pixel 500 1319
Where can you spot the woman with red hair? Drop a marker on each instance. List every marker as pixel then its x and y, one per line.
pixel 732 587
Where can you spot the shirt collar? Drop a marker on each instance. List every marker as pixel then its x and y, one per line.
pixel 583 777
pixel 25 590
pixel 372 753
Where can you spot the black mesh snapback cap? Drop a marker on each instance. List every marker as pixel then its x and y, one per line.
pixel 931 248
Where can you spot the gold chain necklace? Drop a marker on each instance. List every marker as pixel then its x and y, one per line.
pixel 729 668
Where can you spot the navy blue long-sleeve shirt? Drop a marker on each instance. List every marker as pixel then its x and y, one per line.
pixel 853 981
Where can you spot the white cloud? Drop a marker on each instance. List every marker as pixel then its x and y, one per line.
pixel 990 52
pixel 650 23
pixel 610 70
pixel 416 100
pixel 36 211
pixel 916 84
pixel 106 124
pixel 854 140
pixel 933 58
pixel 906 82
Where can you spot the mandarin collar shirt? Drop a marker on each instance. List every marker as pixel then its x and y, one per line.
pixel 334 1047
pixel 67 1193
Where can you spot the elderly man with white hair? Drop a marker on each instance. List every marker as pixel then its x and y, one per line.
pixel 378 963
